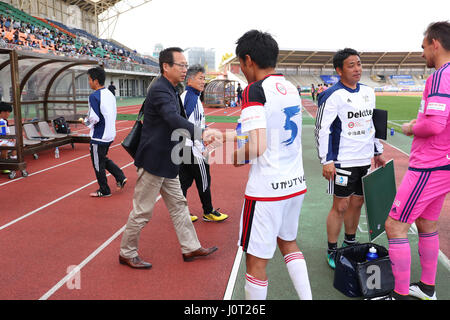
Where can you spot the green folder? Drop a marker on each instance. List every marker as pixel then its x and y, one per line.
pixel 379 193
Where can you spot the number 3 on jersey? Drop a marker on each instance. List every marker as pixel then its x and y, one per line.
pixel 290 125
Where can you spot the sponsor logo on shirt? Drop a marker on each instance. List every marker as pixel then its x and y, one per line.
pixel 422 106
pixel 288 183
pixel 436 106
pixel 359 114
pixel 281 89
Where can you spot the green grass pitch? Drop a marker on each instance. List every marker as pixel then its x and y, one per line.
pixel 400 109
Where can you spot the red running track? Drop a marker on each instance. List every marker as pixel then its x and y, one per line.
pixel 48 224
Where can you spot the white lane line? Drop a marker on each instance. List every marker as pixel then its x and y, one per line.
pixel 233 275
pixel 442 257
pixel 112 238
pixel 58 165
pixel 54 201
pixel 78 268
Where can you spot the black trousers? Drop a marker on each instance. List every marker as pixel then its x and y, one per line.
pixel 101 163
pixel 198 172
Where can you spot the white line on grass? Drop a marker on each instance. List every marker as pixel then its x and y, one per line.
pixel 233 275
pixel 78 268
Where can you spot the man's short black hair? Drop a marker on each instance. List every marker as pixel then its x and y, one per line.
pixel 5 107
pixel 166 56
pixel 260 46
pixel 341 55
pixel 97 73
pixel 439 31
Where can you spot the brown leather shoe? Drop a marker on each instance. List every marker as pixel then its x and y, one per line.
pixel 202 252
pixel 135 262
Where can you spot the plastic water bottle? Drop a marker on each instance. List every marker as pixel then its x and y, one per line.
pixel 372 254
pixel 56 152
pixel 392 131
pixel 242 138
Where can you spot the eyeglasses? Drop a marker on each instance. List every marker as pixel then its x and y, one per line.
pixel 182 66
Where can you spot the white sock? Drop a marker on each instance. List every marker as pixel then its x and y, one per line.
pixel 255 289
pixel 298 272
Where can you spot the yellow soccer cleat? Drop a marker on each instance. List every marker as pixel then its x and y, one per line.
pixel 215 216
pixel 194 218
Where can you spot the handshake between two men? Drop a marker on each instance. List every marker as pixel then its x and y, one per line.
pixel 251 149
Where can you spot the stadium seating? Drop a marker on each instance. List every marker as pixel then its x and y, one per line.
pixel 32 133
pixel 46 131
pixel 44 36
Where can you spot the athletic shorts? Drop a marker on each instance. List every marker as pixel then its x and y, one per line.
pixel 421 194
pixel 262 222
pixel 348 181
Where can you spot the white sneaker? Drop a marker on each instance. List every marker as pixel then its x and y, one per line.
pixel 415 291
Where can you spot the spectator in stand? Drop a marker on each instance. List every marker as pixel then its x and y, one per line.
pixel 7 24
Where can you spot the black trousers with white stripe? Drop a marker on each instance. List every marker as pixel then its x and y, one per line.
pixel 197 171
pixel 101 163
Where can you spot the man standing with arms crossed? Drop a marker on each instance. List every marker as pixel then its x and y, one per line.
pixel 157 171
pixel 426 183
pixel 272 118
pixel 345 139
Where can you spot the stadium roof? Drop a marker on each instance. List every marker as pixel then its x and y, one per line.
pixel 324 59
pixel 93 6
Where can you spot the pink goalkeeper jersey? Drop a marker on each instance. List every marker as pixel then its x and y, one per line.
pixel 434 151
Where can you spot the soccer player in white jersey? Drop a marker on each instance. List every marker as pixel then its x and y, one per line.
pixel 272 118
pixel 345 139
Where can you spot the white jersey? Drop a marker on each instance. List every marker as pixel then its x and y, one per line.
pixel 274 104
pixel 197 117
pixel 101 117
pixel 344 131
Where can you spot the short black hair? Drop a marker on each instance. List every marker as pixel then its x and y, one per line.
pixel 166 56
pixel 260 46
pixel 5 107
pixel 97 73
pixel 439 31
pixel 341 55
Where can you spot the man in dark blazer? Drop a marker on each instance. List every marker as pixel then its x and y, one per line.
pixel 158 162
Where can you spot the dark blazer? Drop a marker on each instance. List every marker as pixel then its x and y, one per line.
pixel 163 113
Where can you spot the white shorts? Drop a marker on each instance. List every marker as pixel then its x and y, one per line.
pixel 262 222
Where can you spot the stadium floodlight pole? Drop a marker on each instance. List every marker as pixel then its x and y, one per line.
pixel 110 20
pixel 97 31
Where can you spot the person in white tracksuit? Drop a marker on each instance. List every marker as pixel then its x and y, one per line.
pixel 197 167
pixel 101 119
pixel 346 144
